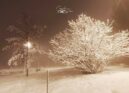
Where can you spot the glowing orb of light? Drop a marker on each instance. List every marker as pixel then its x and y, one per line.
pixel 28 45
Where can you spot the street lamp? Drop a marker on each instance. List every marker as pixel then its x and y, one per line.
pixel 28 45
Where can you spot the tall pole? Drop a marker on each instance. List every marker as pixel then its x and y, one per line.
pixel 28 45
pixel 27 70
pixel 47 82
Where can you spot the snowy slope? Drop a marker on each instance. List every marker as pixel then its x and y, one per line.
pixel 113 80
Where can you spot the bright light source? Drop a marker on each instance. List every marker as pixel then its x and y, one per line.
pixel 28 45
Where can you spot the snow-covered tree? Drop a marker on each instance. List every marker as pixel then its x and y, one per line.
pixel 88 44
pixel 24 42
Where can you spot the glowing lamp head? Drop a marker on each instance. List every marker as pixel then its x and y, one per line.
pixel 28 45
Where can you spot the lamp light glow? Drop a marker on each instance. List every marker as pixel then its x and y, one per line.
pixel 28 45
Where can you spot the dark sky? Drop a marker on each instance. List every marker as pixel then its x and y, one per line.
pixel 44 12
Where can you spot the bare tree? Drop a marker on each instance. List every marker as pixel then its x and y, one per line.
pixel 24 42
pixel 88 44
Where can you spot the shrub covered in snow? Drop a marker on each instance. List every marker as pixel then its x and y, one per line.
pixel 88 44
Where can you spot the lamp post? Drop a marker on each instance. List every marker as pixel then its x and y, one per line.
pixel 28 46
pixel 47 82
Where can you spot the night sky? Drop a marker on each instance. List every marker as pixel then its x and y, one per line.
pixel 45 12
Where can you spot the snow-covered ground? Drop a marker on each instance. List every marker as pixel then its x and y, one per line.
pixel 112 80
